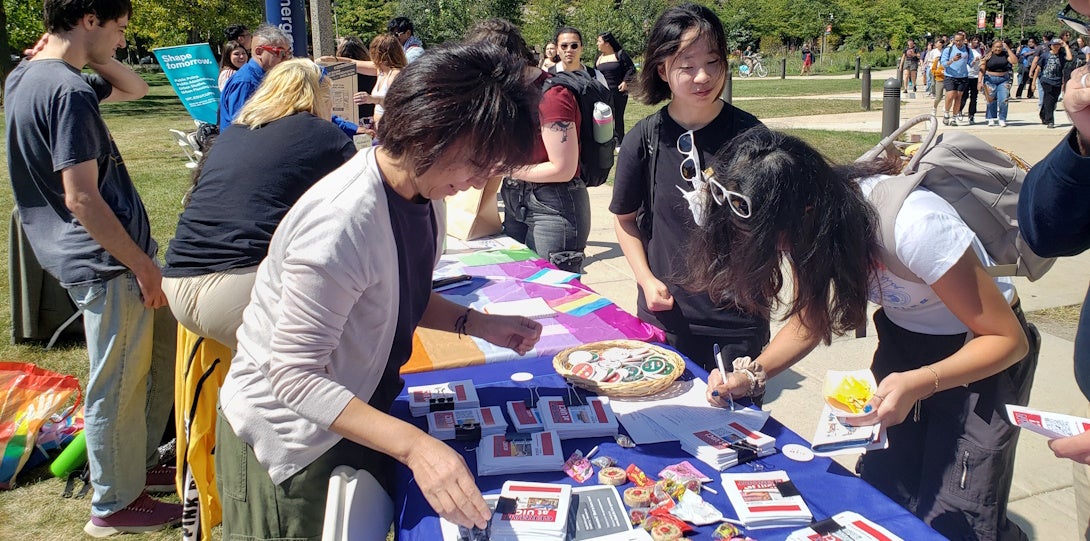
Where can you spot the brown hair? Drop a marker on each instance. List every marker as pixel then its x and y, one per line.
pixel 386 52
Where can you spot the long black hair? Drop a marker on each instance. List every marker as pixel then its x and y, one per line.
pixel 802 209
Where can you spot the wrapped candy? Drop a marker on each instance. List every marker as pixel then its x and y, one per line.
pixel 692 508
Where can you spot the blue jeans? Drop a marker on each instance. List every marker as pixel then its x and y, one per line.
pixel 999 91
pixel 130 387
pixel 552 219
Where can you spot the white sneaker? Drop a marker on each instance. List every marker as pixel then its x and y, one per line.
pixel 991 122
pixel 1002 123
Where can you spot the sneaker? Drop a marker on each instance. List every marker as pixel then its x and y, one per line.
pixel 162 479
pixel 1051 125
pixel 946 119
pixel 1002 123
pixel 991 122
pixel 972 121
pixel 145 514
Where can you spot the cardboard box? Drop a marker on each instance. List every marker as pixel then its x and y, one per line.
pixel 343 75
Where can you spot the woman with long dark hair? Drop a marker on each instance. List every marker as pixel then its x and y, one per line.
pixel 352 47
pixel 234 56
pixel 953 344
pixel 685 62
pixel 618 69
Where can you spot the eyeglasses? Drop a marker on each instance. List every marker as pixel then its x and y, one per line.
pixel 691 172
pixel 1077 25
pixel 282 52
pixel 573 45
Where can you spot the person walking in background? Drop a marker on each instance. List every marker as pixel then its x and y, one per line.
pixel 618 69
pixel 281 143
pixel 549 58
pixel 807 60
pixel 955 64
pixel 89 229
pixel 402 29
pixel 685 62
pixel 910 63
pixel 571 48
pixel 1025 59
pixel 929 82
pixel 234 56
pixel 995 81
pixel 976 53
pixel 271 47
pixel 938 76
pixel 1049 67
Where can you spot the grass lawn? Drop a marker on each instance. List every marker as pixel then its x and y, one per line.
pixel 774 86
pixel 35 508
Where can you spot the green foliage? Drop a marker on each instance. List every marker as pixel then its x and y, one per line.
pixel 629 20
pixel 363 18
pixel 446 20
pixel 24 23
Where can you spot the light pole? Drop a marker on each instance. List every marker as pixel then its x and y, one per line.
pixel 825 37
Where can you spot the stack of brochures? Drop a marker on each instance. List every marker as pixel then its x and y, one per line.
pixel 466 424
pixel 453 395
pixel 592 420
pixel 524 417
pixel 834 436
pixel 845 526
pixel 729 445
pixel 766 500
pixel 513 453
pixel 533 512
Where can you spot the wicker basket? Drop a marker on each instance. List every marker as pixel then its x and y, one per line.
pixel 643 387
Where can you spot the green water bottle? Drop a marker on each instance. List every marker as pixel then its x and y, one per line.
pixel 72 458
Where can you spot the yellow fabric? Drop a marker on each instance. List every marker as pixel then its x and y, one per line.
pixel 200 375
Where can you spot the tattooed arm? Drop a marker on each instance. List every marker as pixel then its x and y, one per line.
pixel 561 140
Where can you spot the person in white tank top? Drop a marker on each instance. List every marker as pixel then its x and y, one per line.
pixel 387 61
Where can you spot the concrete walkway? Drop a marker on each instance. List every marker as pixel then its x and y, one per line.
pixel 1042 500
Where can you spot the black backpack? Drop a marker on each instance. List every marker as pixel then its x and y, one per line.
pixel 595 159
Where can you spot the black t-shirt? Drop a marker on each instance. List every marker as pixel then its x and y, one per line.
pixel 250 179
pixel 414 226
pixel 672 223
pixel 618 71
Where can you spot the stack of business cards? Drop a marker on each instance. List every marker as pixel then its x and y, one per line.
pixel 453 395
pixel 532 512
pixel 505 453
pixel 726 446
pixel 470 424
pixel 594 419
pixel 524 418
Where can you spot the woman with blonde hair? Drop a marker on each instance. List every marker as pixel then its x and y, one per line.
pixel 279 145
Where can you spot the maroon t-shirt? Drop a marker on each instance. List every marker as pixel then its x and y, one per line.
pixel 557 105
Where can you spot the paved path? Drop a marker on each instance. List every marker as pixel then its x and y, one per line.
pixel 1042 499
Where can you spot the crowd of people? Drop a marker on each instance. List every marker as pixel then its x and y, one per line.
pixel 958 69
pixel 294 249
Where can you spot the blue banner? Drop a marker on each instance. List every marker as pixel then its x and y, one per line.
pixel 192 71
pixel 291 17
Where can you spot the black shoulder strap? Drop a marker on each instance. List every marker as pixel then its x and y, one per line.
pixel 651 142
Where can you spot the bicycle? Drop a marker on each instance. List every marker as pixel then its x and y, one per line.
pixel 752 65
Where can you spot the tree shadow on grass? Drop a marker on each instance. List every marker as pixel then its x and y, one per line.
pixel 148 105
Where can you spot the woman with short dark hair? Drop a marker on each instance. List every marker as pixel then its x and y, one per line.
pixel 346 282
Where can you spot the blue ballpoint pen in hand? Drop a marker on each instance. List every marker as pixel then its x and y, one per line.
pixel 722 373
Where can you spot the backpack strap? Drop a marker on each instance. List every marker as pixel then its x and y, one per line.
pixel 649 135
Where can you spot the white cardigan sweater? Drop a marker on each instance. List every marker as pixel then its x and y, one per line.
pixel 320 324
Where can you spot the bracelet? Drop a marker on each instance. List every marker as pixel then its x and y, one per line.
pixel 936 374
pixel 461 325
pixel 754 372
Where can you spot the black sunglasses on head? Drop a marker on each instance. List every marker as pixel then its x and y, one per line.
pixel 1077 25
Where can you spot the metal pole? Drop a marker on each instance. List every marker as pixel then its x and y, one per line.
pixel 857 60
pixel 783 68
pixel 866 88
pixel 728 91
pixel 891 106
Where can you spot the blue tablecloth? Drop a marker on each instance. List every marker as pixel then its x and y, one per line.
pixel 826 486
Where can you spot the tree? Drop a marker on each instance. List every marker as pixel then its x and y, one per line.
pixel 363 18
pixel 161 23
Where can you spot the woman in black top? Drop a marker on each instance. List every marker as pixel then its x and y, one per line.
pixel 618 69
pixel 279 145
pixel 995 80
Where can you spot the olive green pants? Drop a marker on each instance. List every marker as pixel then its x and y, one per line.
pixel 254 508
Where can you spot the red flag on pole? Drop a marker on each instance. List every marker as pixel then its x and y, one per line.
pixel 998 21
pixel 981 16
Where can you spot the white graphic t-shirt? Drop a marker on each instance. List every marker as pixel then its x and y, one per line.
pixel 931 238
